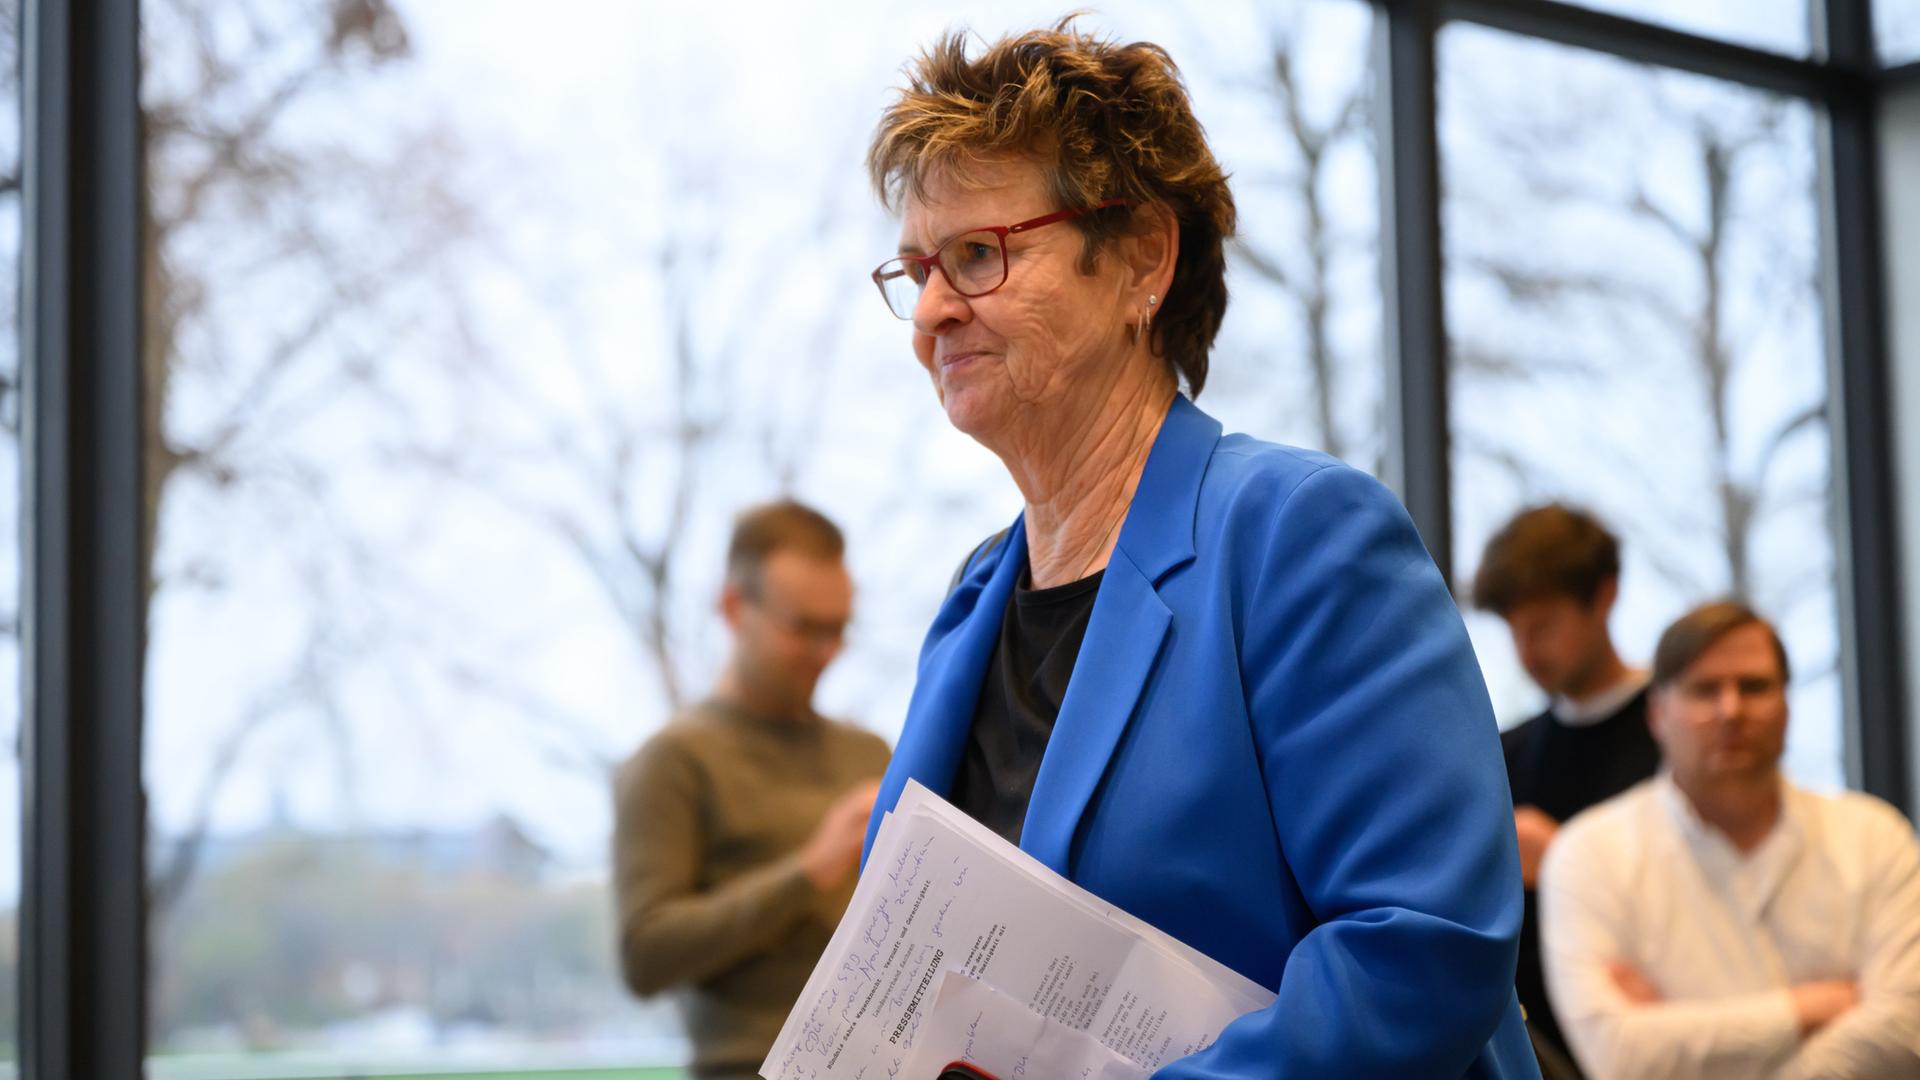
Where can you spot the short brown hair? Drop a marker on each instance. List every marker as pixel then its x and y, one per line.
pixel 761 530
pixel 1696 631
pixel 1104 121
pixel 1551 550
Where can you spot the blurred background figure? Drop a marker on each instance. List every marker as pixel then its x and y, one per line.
pixel 1553 574
pixel 737 828
pixel 1719 921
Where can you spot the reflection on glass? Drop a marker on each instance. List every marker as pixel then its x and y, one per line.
pixel 1782 26
pixel 10 528
pixel 465 356
pixel 1631 284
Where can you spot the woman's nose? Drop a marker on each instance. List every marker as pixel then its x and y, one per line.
pixel 939 305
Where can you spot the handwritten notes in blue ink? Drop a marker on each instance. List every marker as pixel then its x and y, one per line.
pixel 953 932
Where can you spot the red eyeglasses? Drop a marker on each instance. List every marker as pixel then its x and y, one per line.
pixel 974 262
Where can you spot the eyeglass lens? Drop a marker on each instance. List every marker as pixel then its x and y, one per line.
pixel 974 263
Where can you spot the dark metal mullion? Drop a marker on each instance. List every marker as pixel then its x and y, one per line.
pixel 83 916
pixel 1410 261
pixel 1631 39
pixel 1868 577
pixel 1842 33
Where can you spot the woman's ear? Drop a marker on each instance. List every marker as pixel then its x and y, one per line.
pixel 1151 250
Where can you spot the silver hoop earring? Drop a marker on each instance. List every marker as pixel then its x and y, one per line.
pixel 1145 325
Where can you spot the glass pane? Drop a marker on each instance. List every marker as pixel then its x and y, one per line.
pixel 1778 25
pixel 1287 104
pixel 1897 26
pixel 467 355
pixel 1631 283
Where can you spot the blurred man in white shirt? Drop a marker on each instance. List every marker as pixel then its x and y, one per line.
pixel 1716 921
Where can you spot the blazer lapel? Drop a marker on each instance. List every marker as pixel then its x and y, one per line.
pixel 1124 636
pixel 948 690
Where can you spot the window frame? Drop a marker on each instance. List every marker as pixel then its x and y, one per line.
pixel 83 924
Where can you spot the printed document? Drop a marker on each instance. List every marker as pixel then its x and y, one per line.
pixel 950 925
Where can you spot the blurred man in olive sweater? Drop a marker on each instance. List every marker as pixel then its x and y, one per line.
pixel 737 828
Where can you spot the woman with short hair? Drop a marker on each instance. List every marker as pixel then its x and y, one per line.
pixel 1215 681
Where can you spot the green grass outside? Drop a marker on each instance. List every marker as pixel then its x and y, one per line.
pixel 636 1073
pixel 7 1072
pixel 564 1074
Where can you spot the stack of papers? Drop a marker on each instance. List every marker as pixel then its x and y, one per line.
pixel 959 946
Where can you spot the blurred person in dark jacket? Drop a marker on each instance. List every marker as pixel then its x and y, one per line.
pixel 1553 574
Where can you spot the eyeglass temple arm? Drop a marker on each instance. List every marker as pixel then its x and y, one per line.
pixel 1062 215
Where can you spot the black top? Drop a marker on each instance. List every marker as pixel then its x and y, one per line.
pixel 1020 698
pixel 1563 769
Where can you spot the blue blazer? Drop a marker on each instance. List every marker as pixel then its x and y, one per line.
pixel 1276 746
